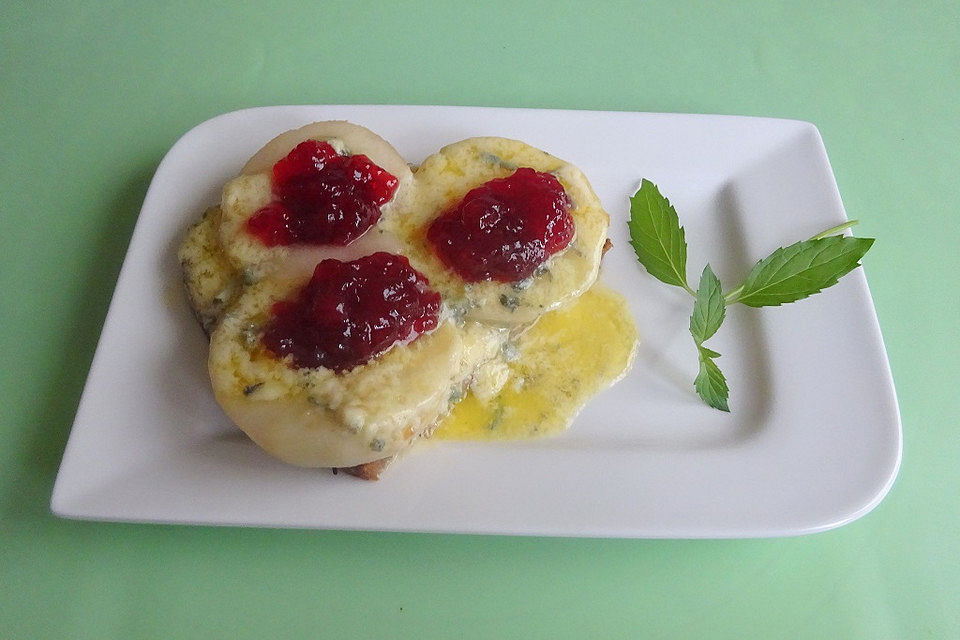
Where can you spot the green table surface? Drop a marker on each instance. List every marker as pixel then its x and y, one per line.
pixel 93 94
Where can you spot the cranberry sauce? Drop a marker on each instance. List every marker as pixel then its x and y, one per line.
pixel 321 197
pixel 505 228
pixel 351 312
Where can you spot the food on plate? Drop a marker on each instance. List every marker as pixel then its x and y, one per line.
pixel 355 306
pixel 337 372
pixel 211 281
pixel 557 365
pixel 313 193
pixel 505 231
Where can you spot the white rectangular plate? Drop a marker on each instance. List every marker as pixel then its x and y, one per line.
pixel 812 442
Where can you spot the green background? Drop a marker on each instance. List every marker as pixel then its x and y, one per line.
pixel 92 96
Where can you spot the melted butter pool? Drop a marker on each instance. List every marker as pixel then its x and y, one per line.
pixel 564 359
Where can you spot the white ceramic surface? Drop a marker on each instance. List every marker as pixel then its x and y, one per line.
pixel 812 442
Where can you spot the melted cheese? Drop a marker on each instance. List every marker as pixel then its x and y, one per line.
pixel 563 360
pixel 446 177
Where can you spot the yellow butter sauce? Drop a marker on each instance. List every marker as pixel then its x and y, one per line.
pixel 563 360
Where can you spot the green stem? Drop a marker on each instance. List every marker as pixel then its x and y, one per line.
pixel 733 296
pixel 840 228
pixel 689 290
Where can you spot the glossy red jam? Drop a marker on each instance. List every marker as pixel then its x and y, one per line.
pixel 504 229
pixel 321 197
pixel 350 312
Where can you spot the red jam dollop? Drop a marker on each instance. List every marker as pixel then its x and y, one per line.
pixel 351 312
pixel 505 228
pixel 321 197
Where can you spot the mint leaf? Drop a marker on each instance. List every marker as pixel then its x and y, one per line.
pixel 708 310
pixel 657 237
pixel 707 316
pixel 801 270
pixel 710 384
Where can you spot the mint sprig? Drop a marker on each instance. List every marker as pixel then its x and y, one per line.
pixel 786 275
